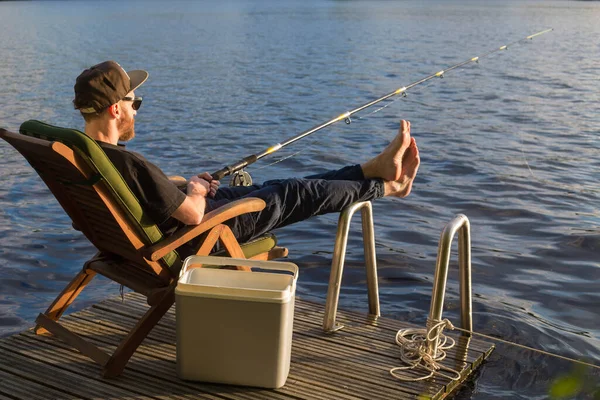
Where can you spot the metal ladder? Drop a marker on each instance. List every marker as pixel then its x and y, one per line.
pixel 459 223
pixel 337 266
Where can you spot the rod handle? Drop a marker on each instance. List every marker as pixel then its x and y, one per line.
pixel 230 169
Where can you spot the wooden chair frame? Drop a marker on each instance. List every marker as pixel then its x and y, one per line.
pixel 140 266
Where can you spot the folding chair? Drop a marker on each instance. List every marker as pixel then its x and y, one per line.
pixel 132 251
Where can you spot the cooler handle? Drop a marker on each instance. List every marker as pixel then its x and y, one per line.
pixel 212 260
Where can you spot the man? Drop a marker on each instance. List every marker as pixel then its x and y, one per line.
pixel 105 96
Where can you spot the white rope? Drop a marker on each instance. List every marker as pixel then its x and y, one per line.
pixel 414 351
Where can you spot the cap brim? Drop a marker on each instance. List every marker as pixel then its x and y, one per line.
pixel 136 78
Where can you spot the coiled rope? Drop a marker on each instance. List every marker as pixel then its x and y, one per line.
pixel 414 351
pixel 415 344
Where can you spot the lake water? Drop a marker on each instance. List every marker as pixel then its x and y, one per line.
pixel 511 142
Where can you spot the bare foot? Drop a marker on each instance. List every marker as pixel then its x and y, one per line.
pixel 410 165
pixel 388 164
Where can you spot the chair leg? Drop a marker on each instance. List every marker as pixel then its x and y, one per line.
pixel 66 297
pixel 73 339
pixel 127 347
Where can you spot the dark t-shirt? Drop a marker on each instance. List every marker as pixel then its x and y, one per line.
pixel 158 196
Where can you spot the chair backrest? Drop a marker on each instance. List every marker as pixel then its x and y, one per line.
pixel 92 192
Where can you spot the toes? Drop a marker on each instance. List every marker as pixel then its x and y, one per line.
pixel 415 150
pixel 404 130
pixel 405 126
pixel 414 162
pixel 411 160
pixel 402 140
pixel 410 166
pixel 410 151
pixel 415 169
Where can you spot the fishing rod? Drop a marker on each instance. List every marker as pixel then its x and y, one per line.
pixel 243 177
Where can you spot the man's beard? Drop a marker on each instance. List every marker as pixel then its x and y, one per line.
pixel 126 130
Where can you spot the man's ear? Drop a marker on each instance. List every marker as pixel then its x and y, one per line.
pixel 114 110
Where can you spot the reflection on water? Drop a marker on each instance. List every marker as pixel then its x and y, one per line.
pixel 511 142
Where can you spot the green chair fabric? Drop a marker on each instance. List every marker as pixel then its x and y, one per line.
pixel 95 157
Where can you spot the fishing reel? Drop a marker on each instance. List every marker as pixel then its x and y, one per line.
pixel 240 178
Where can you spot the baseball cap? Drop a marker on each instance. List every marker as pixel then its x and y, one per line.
pixel 105 84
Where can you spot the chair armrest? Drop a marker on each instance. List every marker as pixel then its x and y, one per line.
pixel 179 181
pixel 210 220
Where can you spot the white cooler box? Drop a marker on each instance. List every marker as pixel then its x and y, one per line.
pixel 235 327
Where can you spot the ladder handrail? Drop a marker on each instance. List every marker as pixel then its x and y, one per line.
pixel 461 224
pixel 337 265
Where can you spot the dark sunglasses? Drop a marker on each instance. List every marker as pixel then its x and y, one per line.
pixel 137 102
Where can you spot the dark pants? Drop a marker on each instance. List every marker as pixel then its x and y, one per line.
pixel 294 200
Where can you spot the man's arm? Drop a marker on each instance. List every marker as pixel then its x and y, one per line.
pixel 191 211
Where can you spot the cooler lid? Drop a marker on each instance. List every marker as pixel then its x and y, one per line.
pixel 276 281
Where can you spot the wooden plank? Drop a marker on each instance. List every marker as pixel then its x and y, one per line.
pixel 334 375
pixel 352 318
pixel 26 367
pixel 330 372
pixel 376 368
pixel 157 354
pixel 374 339
pixel 380 325
pixel 151 373
pixel 384 348
pixel 459 358
pixel 65 358
pixel 351 364
pixel 134 308
pixel 19 388
pixel 357 320
pixel 370 346
pixel 167 335
pixel 366 320
pixel 167 352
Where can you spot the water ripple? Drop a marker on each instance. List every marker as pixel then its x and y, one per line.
pixel 512 142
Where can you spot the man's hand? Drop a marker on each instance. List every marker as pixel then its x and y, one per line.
pixel 214 184
pixel 198 186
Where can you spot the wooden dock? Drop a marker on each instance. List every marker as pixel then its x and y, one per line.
pixel 353 363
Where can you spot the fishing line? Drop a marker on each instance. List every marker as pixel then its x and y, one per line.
pixel 405 97
pixel 319 141
pixel 361 118
pixel 241 164
pixel 525 156
pixel 528 348
pixel 414 350
pixel 364 117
